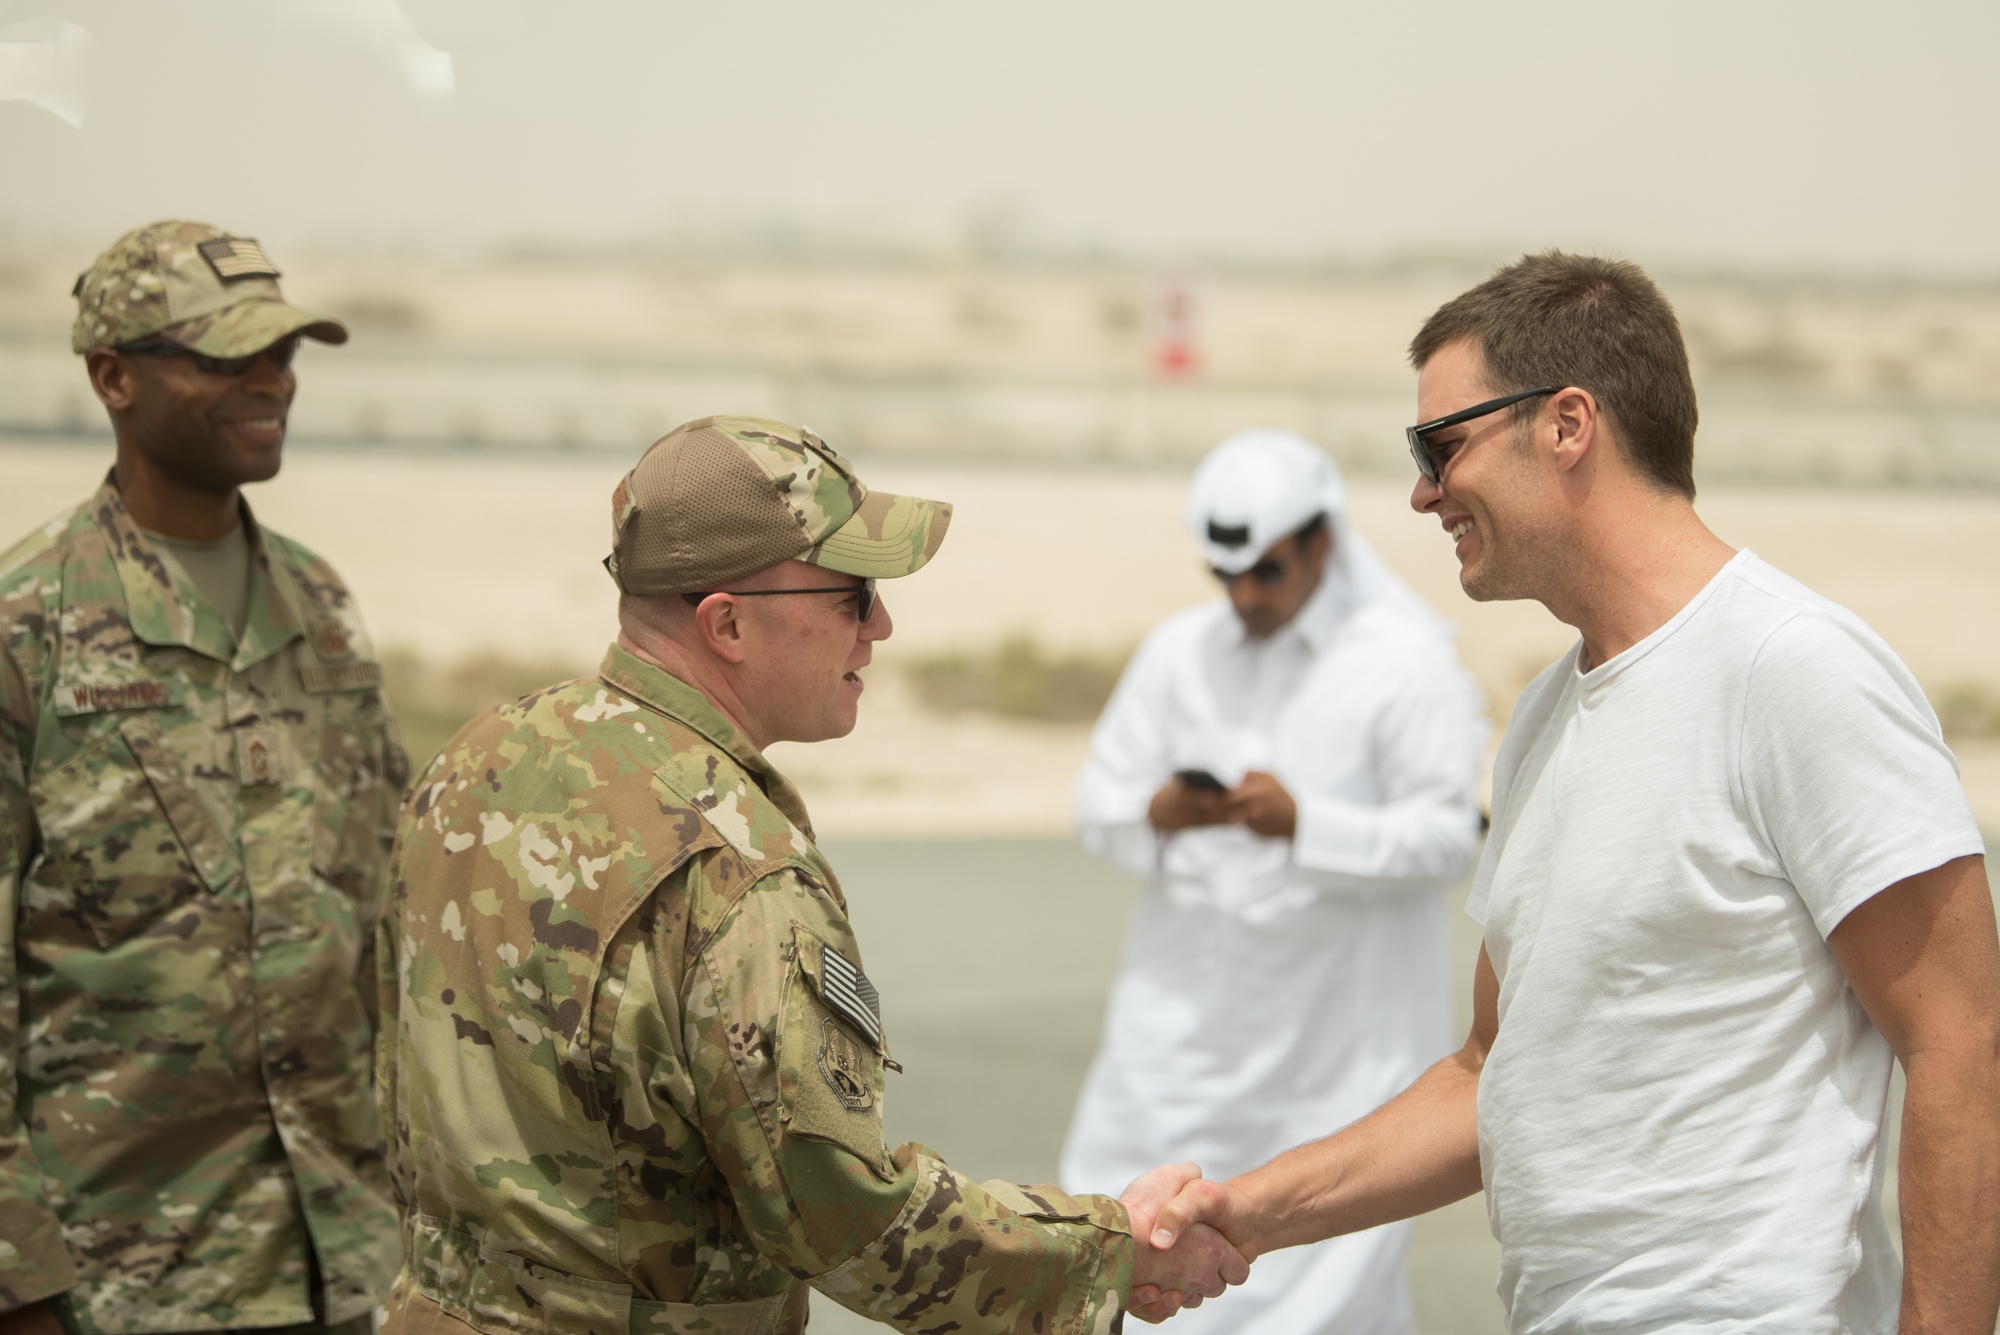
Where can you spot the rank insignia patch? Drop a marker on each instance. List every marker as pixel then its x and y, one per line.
pixel 847 990
pixel 256 756
pixel 234 257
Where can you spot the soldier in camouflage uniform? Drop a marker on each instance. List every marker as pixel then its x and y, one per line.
pixel 632 1060
pixel 200 780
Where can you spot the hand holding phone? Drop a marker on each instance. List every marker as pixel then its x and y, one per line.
pixel 1191 797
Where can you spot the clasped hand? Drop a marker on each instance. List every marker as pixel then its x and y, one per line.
pixel 1198 1264
pixel 1259 802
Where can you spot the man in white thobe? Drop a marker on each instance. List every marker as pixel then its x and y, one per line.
pixel 1287 965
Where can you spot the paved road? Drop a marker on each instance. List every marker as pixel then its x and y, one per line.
pixel 994 958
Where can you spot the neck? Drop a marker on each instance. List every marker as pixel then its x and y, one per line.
pixel 669 657
pixel 1631 568
pixel 160 504
pixel 1316 576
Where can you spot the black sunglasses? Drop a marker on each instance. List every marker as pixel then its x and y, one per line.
pixel 1430 465
pixel 279 354
pixel 1267 573
pixel 863 609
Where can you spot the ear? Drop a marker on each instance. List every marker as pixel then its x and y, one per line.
pixel 1578 425
pixel 721 629
pixel 111 379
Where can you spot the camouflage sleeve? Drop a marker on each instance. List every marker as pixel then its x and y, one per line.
pixel 395 764
pixel 788 1093
pixel 34 1260
pixel 383 952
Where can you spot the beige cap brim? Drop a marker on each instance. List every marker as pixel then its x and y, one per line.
pixel 252 326
pixel 887 537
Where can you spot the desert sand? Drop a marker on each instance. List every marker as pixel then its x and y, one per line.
pixel 458 555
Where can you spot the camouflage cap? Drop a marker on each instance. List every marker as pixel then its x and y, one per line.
pixel 717 499
pixel 194 284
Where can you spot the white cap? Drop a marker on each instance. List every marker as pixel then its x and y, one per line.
pixel 1256 489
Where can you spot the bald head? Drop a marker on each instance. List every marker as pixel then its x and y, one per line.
pixel 780 652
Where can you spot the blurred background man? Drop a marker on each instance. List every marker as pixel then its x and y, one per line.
pixel 199 777
pixel 1295 770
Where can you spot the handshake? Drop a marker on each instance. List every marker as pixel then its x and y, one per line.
pixel 1190 1238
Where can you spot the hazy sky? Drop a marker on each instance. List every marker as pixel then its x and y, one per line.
pixel 1804 134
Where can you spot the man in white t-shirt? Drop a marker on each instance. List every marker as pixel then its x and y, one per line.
pixel 1732 876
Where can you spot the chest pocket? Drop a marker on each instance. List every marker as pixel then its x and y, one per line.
pixel 830 1052
pixel 358 780
pixel 125 833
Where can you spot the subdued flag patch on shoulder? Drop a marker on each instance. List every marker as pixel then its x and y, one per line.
pixel 847 990
pixel 235 257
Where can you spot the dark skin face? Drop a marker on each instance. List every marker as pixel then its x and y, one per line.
pixel 189 439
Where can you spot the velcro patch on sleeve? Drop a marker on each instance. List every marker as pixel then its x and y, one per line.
pixel 234 257
pixel 848 993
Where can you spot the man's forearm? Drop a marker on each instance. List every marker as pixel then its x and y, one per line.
pixel 1949 1194
pixel 1417 1152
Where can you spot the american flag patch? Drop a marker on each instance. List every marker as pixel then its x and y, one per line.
pixel 847 990
pixel 234 257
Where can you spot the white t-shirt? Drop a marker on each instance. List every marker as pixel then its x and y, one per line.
pixel 1680 1121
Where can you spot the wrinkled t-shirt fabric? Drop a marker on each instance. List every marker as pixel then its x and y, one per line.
pixel 1680 1122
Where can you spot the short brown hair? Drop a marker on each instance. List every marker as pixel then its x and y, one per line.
pixel 1601 325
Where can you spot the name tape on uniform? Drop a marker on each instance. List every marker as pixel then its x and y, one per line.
pixel 847 990
pixel 102 698
pixel 320 678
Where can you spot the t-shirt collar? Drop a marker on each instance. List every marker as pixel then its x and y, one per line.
pixel 164 608
pixel 1605 672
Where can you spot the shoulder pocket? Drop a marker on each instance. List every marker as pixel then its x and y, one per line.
pixel 830 1052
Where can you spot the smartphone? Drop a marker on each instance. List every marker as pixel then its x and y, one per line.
pixel 1201 781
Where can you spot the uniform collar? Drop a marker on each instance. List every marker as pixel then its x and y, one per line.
pixel 661 690
pixel 165 608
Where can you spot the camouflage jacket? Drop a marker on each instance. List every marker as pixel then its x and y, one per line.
pixel 634 1067
pixel 191 863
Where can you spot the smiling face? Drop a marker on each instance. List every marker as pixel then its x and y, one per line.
pixel 803 653
pixel 1498 497
pixel 207 432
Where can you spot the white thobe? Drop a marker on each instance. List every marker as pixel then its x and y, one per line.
pixel 1274 990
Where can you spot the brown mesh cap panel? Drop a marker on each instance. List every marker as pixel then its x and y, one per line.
pixel 718 498
pixel 706 515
